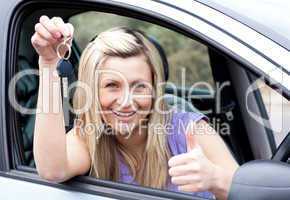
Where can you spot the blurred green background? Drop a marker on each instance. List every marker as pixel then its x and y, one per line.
pixel 182 52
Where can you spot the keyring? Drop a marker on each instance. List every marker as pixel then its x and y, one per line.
pixel 56 21
pixel 66 45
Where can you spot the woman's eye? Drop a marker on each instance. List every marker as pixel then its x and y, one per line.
pixel 141 86
pixel 111 85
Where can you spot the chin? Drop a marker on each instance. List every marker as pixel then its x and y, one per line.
pixel 124 129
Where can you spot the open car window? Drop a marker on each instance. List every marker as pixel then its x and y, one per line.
pixel 188 60
pixel 188 64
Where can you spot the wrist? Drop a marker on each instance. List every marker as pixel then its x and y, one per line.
pixel 48 62
pixel 48 74
pixel 221 183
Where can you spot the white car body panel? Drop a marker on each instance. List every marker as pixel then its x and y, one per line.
pixel 17 189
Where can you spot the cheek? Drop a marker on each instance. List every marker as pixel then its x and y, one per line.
pixel 106 98
pixel 144 103
pixel 106 101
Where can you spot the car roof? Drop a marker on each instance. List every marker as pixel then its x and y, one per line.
pixel 269 17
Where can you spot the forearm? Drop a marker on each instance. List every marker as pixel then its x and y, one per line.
pixel 49 135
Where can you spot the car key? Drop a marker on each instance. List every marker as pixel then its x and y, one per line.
pixel 66 72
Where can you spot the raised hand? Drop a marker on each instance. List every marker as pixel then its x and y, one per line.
pixel 49 33
pixel 192 171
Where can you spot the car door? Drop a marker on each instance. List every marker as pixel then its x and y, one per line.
pixel 14 173
pixel 189 17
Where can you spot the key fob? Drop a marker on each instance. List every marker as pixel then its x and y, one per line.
pixel 64 68
pixel 66 71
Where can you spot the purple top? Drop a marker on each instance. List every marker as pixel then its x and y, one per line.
pixel 177 144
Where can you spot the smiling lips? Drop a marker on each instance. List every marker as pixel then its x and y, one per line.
pixel 123 115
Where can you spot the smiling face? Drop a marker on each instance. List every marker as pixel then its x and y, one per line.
pixel 125 93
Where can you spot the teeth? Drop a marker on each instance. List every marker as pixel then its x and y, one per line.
pixel 124 114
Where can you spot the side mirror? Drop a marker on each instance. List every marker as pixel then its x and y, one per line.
pixel 261 180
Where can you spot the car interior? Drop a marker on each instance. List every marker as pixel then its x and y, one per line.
pixel 247 139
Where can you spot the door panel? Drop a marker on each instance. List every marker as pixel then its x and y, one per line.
pixel 17 189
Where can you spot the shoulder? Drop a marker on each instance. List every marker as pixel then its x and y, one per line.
pixel 178 127
pixel 182 119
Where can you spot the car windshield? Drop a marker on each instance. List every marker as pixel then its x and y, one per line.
pixel 269 17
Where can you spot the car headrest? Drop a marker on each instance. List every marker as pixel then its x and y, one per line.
pixel 162 55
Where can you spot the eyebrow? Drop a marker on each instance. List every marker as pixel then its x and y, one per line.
pixel 118 80
pixel 139 81
pixel 109 79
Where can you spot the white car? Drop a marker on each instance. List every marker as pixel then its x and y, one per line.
pixel 247 49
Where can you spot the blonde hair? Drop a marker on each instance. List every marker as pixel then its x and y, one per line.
pixel 123 42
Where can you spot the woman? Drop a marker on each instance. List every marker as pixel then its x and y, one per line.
pixel 127 133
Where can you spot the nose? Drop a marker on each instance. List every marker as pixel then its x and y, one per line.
pixel 124 99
